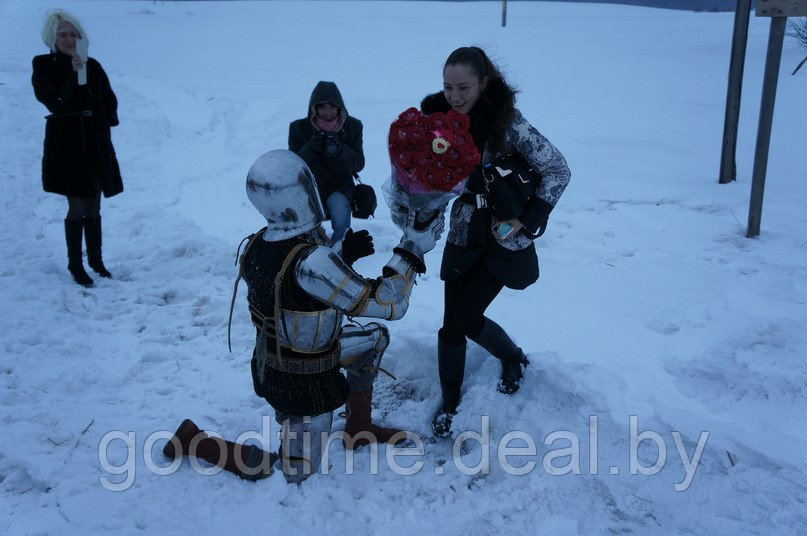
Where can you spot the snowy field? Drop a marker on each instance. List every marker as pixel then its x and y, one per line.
pixel 652 308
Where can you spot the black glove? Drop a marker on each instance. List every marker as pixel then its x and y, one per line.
pixel 356 245
pixel 333 144
pixel 317 142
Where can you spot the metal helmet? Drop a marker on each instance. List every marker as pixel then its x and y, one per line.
pixel 284 191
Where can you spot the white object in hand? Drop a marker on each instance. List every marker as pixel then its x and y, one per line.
pixel 81 49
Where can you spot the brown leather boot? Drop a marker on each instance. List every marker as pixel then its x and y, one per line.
pixel 359 426
pixel 185 433
pixel 256 463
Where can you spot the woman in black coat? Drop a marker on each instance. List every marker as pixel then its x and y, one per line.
pixel 483 255
pixel 79 160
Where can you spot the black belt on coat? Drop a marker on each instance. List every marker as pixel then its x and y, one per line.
pixel 85 113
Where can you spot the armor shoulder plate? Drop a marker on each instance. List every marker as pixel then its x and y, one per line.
pixel 323 274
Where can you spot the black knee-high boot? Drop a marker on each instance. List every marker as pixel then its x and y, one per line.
pixel 451 366
pixel 72 235
pixel 92 236
pixel 496 341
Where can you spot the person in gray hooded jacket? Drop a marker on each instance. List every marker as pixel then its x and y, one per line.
pixel 330 142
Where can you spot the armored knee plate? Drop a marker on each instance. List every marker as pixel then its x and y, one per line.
pixel 361 350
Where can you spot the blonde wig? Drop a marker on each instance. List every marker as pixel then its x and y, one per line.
pixel 52 23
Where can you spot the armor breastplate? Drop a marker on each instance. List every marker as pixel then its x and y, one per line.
pixel 308 332
pixel 305 325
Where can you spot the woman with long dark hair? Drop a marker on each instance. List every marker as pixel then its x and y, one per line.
pixel 79 160
pixel 483 255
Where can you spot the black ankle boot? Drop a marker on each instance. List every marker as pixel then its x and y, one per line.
pixel 496 341
pixel 443 419
pixel 92 236
pixel 512 374
pixel 451 365
pixel 72 235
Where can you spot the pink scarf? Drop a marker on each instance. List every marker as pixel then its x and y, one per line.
pixel 330 126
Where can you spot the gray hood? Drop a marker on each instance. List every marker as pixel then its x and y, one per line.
pixel 327 92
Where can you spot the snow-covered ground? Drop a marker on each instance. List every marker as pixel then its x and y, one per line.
pixel 652 306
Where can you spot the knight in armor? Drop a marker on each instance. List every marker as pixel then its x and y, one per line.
pixel 300 289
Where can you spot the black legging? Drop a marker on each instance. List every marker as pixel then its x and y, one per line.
pixel 79 208
pixel 466 299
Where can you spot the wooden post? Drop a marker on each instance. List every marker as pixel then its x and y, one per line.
pixel 728 165
pixel 775 41
pixel 504 13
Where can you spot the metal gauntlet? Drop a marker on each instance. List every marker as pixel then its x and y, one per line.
pixel 415 243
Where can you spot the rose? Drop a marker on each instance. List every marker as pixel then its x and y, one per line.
pixel 402 158
pixel 422 122
pixel 436 179
pixel 453 156
pixel 425 175
pixel 441 177
pixel 409 115
pixel 457 120
pixel 416 136
pixel 423 158
pixel 461 140
pixel 437 121
pixel 398 135
pixel 449 178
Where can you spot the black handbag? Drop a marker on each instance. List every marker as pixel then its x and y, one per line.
pixel 364 202
pixel 510 182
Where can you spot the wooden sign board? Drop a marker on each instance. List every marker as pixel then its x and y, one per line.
pixel 781 8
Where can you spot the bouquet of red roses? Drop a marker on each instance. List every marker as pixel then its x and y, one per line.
pixel 431 156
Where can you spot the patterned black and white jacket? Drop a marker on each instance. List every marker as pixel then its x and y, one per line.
pixel 522 138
